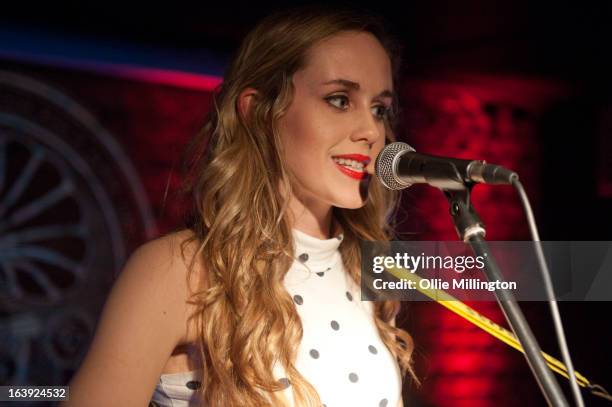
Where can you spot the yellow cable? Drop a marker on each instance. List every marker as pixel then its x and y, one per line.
pixel 473 316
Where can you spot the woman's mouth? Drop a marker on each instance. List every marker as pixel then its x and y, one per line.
pixel 353 168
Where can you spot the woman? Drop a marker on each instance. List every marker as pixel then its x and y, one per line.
pixel 260 305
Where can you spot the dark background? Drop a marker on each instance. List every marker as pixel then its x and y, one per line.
pixel 523 84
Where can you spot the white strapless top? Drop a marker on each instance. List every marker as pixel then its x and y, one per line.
pixel 341 353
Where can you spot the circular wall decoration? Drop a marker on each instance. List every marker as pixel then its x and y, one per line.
pixel 71 208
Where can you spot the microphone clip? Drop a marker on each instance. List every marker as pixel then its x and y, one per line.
pixel 467 222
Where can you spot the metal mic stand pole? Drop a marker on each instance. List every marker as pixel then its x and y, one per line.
pixel 471 230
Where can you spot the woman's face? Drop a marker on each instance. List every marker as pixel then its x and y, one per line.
pixel 340 101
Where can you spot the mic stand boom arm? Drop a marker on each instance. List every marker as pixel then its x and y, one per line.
pixel 471 230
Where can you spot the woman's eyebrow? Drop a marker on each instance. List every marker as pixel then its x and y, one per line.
pixel 355 86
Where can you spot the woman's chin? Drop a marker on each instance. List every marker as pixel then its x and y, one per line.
pixel 355 196
pixel 355 202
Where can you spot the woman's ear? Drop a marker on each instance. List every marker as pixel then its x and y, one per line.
pixel 245 102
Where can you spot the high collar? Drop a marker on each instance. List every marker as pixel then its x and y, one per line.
pixel 315 252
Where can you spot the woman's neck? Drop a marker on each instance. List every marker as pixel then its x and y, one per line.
pixel 313 218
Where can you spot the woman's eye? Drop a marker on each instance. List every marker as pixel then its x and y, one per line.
pixel 381 111
pixel 339 101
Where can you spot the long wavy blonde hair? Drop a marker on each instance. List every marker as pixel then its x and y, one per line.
pixel 246 320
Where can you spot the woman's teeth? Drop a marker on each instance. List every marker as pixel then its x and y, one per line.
pixel 352 164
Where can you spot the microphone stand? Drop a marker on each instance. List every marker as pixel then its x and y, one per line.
pixel 471 230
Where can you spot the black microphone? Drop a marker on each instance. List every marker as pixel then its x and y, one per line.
pixel 398 166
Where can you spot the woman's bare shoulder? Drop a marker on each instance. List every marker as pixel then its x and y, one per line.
pixel 177 245
pixel 181 249
pixel 176 250
pixel 184 249
pixel 142 323
pixel 172 255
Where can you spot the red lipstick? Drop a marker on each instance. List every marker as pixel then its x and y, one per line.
pixel 353 174
pixel 358 175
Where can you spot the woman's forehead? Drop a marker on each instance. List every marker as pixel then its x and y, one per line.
pixel 355 56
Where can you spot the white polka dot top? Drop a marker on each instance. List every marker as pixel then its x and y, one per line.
pixel 341 353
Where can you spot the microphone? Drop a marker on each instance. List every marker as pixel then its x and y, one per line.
pixel 398 166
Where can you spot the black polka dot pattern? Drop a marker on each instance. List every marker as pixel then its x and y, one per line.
pixel 193 385
pixel 329 285
pixel 322 273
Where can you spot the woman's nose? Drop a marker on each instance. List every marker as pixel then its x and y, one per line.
pixel 367 129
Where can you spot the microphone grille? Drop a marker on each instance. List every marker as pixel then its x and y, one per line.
pixel 385 165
